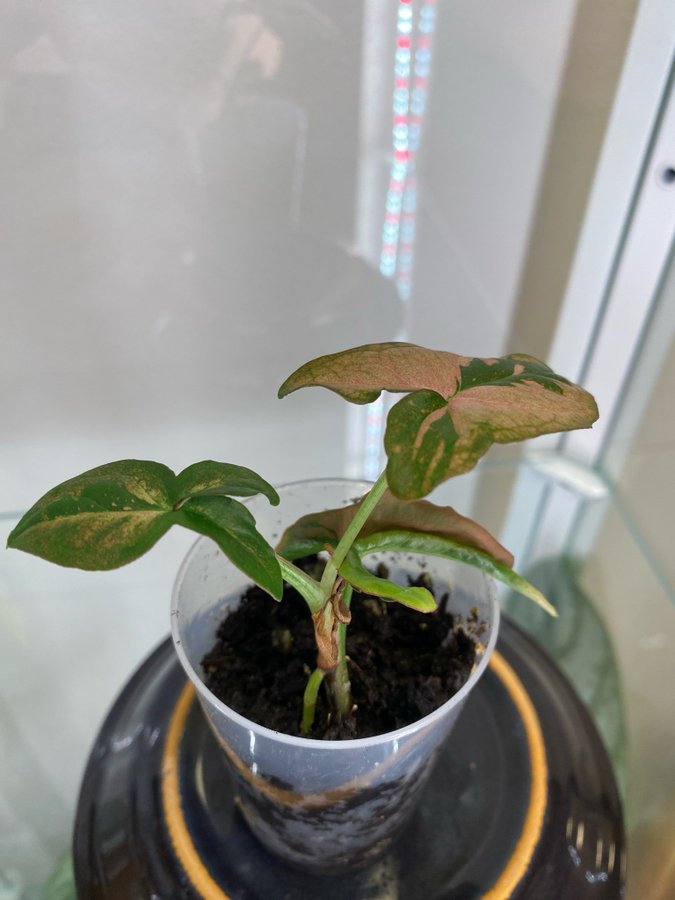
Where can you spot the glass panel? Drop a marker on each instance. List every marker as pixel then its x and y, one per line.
pixel 197 198
pixel 615 590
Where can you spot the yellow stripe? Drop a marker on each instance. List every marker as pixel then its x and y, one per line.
pixel 183 846
pixel 521 857
pixel 511 875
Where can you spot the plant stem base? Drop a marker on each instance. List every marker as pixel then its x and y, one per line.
pixel 521 798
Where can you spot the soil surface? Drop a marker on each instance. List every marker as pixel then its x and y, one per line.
pixel 402 664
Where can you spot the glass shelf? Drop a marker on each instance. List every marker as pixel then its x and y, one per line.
pixel 69 640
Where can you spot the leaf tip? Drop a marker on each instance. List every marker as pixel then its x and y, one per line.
pixel 273 497
pixel 15 535
pixel 292 383
pixel 546 605
pixel 428 604
pixel 278 586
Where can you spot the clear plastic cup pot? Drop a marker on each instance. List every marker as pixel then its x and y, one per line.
pixel 320 804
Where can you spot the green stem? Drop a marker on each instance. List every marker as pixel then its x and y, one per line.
pixel 368 504
pixel 307 587
pixel 331 634
pixel 340 685
pixel 309 700
pixel 342 626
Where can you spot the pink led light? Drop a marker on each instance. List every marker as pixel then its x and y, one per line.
pixel 413 56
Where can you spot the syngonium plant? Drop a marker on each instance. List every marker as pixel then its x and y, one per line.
pixel 453 409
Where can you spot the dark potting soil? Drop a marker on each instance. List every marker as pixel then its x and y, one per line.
pixel 402 664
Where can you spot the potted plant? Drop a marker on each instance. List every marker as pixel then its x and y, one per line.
pixel 325 803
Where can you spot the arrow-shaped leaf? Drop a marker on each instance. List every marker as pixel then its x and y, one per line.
pixel 101 519
pixel 315 531
pixel 111 515
pixel 456 409
pixel 433 545
pixel 362 373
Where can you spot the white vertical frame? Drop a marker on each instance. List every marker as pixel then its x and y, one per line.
pixel 622 253
pixel 379 28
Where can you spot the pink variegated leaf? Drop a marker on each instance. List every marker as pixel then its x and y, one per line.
pixel 315 531
pixel 456 407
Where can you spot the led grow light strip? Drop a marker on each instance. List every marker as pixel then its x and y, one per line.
pixel 412 65
pixel 411 80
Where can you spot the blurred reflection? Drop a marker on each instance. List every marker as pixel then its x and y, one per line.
pixel 579 642
pixel 179 201
pixel 591 842
pixel 654 845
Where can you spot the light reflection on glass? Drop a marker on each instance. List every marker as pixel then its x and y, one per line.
pixel 579 853
pixel 580 835
pixel 373 434
pixel 119 744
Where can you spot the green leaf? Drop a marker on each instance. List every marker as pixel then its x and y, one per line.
pixel 506 370
pixel 101 519
pixel 315 531
pixel 229 523
pixel 422 445
pixel 353 571
pixel 61 883
pixel 111 515
pixel 433 545
pixel 456 409
pixel 209 478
